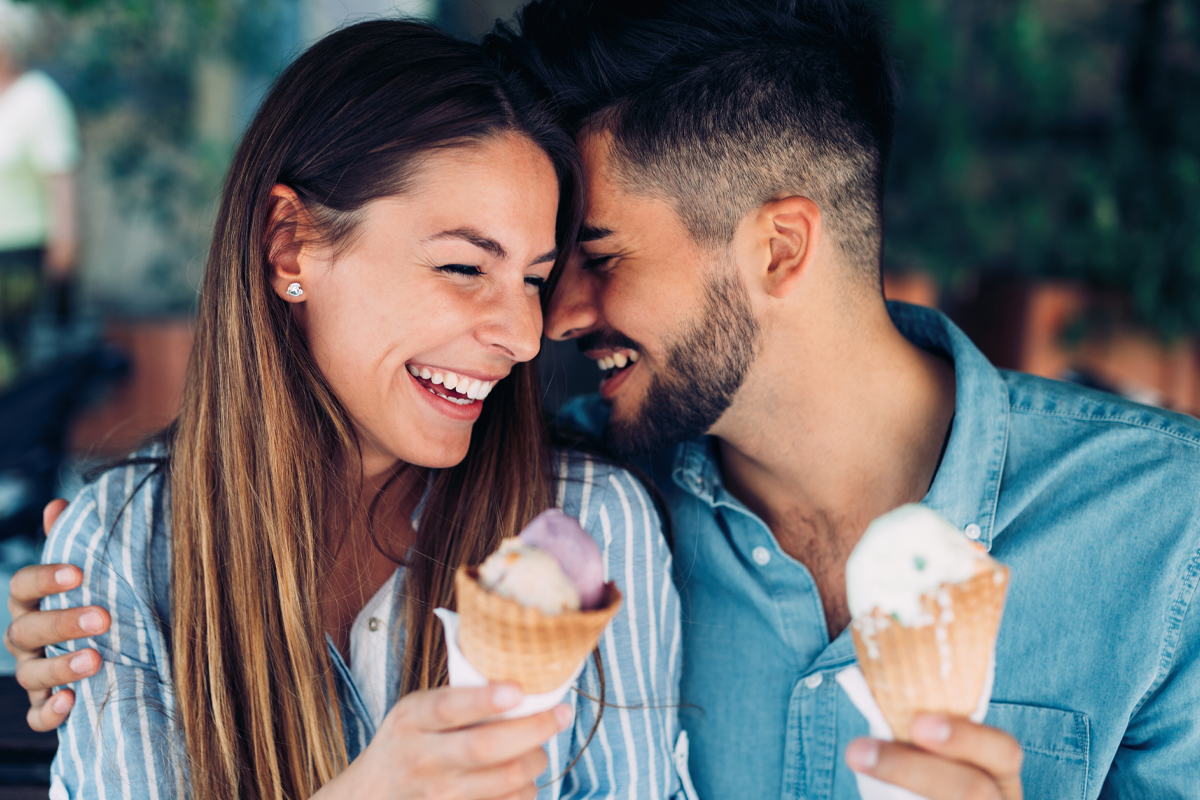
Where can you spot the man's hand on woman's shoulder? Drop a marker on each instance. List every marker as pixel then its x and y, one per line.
pixel 32 630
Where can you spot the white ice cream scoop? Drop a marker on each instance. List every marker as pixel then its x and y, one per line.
pixel 903 555
pixel 530 576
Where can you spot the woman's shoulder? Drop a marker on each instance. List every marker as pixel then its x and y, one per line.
pixel 610 502
pixel 118 525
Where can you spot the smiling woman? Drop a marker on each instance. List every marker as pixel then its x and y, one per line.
pixel 361 418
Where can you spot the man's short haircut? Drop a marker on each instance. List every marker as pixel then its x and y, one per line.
pixel 718 106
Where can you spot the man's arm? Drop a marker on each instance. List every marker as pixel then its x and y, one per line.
pixel 1159 755
pixel 32 630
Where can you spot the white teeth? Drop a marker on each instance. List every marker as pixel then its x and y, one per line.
pixel 463 385
pixel 634 355
pixel 437 379
pixel 473 389
pixel 415 372
pixel 620 360
pixel 600 364
pixel 458 401
pixel 425 373
pixel 486 389
pixel 450 381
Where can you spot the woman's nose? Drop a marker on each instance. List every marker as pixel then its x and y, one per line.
pixel 514 324
pixel 573 310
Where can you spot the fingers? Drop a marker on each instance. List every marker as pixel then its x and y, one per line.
pixel 51 513
pixel 990 749
pixel 449 709
pixel 51 711
pixel 32 631
pixel 963 776
pixel 29 585
pixel 40 674
pixel 511 779
pixel 499 742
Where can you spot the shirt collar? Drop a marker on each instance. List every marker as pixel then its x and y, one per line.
pixel 966 489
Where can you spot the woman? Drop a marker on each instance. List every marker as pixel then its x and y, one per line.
pixel 360 396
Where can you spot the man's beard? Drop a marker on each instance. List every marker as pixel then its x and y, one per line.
pixel 704 370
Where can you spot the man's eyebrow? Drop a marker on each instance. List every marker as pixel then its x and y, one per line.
pixel 474 237
pixel 590 234
pixel 549 255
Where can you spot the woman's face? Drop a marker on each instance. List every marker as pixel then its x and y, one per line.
pixel 438 288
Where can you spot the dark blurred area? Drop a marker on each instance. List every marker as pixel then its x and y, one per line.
pixel 1044 191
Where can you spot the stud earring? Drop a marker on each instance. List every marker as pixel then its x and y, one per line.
pixel 294 290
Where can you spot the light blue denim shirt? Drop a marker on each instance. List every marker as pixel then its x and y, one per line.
pixel 122 739
pixel 1094 504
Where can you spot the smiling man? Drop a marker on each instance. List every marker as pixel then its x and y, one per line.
pixel 728 282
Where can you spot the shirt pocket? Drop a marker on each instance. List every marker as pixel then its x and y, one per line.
pixel 1055 744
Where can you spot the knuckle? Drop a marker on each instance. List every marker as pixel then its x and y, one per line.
pixel 1013 757
pixel 477 747
pixel 443 710
pixel 980 788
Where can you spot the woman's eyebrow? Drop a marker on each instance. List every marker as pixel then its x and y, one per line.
pixel 474 237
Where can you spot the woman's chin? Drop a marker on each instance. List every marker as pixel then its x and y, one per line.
pixel 436 452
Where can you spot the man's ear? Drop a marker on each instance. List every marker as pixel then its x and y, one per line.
pixel 288 244
pixel 785 235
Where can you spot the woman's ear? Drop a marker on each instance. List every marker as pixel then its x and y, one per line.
pixel 786 234
pixel 288 244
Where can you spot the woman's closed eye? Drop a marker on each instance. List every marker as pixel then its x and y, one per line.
pixel 461 269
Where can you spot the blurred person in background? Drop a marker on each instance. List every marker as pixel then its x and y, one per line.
pixel 39 153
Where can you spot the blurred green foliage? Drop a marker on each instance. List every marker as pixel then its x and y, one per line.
pixel 1052 138
pixel 136 71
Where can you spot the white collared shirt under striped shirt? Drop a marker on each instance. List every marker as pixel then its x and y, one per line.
pixel 122 739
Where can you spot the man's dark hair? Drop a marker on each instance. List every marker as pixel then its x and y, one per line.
pixel 718 106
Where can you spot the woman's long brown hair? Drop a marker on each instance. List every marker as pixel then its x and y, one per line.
pixel 264 464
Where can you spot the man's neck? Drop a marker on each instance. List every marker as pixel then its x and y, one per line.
pixel 842 419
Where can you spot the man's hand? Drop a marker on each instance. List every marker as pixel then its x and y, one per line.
pixel 33 630
pixel 950 759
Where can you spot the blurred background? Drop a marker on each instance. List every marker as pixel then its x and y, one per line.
pixel 1044 191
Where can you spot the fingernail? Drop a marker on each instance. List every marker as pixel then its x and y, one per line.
pixel 91 622
pixel 506 696
pixel 62 702
pixel 565 716
pixel 65 576
pixel 931 728
pixel 862 755
pixel 81 663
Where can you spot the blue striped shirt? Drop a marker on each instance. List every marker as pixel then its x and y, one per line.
pixel 123 741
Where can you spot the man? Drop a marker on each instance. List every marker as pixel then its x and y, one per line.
pixel 729 277
pixel 729 283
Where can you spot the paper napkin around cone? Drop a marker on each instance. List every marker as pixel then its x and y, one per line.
pixel 506 641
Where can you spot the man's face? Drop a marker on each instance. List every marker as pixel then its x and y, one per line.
pixel 668 320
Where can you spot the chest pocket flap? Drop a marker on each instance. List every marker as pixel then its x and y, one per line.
pixel 1055 743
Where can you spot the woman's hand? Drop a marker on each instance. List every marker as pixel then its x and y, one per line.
pixel 33 630
pixel 434 744
pixel 953 759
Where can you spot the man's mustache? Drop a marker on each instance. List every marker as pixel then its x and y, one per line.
pixel 606 340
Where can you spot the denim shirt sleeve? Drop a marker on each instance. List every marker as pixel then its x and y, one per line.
pixel 119 740
pixel 631 754
pixel 1159 755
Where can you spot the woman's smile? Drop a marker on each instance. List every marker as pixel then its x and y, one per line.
pixel 457 394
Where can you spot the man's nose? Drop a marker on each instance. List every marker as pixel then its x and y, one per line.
pixel 573 309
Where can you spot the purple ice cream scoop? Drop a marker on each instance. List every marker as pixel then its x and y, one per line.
pixel 573 548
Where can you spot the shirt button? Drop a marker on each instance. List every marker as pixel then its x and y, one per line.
pixel 761 556
pixel 373 624
pixel 814 680
pixel 973 531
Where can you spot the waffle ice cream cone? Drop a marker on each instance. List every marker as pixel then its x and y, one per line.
pixel 937 667
pixel 926 605
pixel 507 641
